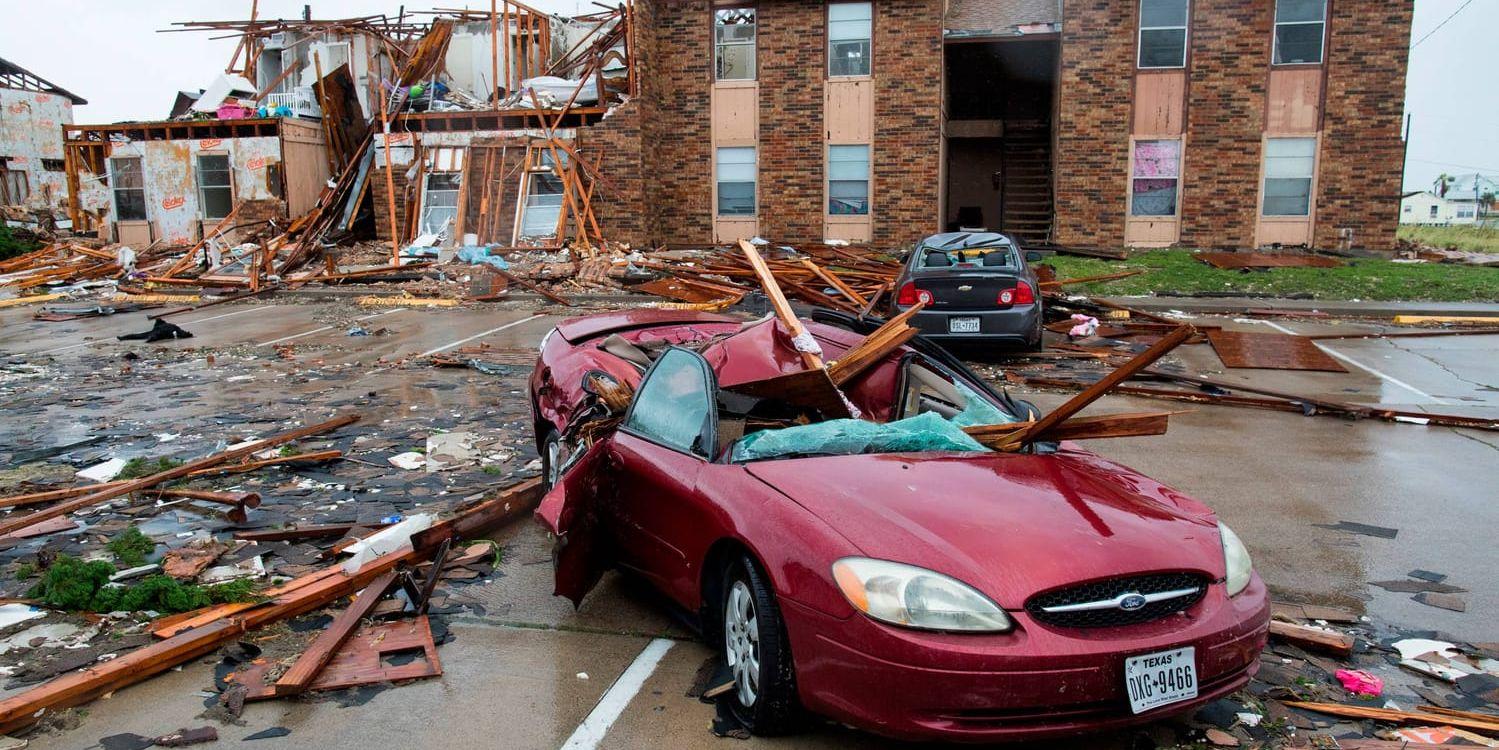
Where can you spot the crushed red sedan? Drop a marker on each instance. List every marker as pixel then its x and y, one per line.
pixel 863 558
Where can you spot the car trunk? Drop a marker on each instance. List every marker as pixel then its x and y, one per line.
pixel 955 290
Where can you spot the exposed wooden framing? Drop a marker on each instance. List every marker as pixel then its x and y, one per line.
pixel 881 341
pixel 832 280
pixel 778 301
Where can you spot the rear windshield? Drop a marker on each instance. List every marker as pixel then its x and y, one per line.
pixel 1002 256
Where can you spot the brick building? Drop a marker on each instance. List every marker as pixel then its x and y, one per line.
pixel 1231 123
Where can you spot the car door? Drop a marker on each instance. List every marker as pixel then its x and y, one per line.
pixel 657 457
pixel 572 512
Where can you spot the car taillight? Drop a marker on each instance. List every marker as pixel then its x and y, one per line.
pixel 1022 294
pixel 910 295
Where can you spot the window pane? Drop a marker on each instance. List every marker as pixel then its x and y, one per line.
pixel 130 205
pixel 126 173
pixel 1163 48
pixel 672 406
pixel 217 202
pixel 850 12
pixel 848 197
pixel 1298 43
pixel 1153 197
pixel 736 199
pixel 1290 157
pixel 1299 10
pixel 736 62
pixel 1291 147
pixel 1163 13
pixel 1157 158
pixel 842 31
pixel 1288 197
pixel 849 58
pixel 734 20
pixel 444 180
pixel 853 157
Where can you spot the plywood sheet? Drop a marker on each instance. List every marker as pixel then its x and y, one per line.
pixel 1160 103
pixel 1294 102
pixel 1274 351
pixel 849 106
pixel 1266 260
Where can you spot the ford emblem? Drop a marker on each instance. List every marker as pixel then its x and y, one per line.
pixel 1131 602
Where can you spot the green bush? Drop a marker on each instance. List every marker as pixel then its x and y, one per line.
pixel 73 585
pixel 12 246
pixel 131 547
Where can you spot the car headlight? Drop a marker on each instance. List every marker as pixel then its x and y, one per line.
pixel 1235 560
pixel 915 597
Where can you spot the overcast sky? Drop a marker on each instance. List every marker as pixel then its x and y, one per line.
pixel 111 54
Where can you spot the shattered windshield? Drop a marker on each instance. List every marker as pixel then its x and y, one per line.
pixel 1002 256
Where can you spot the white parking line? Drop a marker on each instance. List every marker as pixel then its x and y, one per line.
pixel 588 734
pixel 187 322
pixel 1376 373
pixel 461 342
pixel 324 328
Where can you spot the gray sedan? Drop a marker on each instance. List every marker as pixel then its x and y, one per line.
pixel 977 287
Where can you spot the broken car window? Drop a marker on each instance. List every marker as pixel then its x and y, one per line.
pixel 1003 256
pixel 848 437
pixel 674 405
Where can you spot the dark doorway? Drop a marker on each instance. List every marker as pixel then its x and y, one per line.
pixel 1001 96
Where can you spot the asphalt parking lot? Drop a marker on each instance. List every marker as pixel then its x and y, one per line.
pixel 531 672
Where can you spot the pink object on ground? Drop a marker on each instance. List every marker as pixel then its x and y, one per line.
pixel 1359 682
pixel 1086 326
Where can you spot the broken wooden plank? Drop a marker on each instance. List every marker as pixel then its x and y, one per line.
pixel 305 531
pixel 799 336
pixel 1007 437
pixel 1391 716
pixel 891 335
pixel 323 648
pixel 1096 391
pixel 549 294
pixel 74 688
pixel 1313 639
pixel 110 493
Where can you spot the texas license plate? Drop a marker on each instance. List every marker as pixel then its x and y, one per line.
pixel 962 325
pixel 1159 679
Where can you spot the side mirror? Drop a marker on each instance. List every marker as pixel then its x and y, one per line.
pixel 1033 256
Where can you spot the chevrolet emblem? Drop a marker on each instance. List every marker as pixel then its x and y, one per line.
pixel 965 288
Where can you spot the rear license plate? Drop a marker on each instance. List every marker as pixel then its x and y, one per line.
pixel 962 325
pixel 1162 678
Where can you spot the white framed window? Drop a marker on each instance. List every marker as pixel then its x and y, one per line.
pixel 1464 213
pixel 215 189
pixel 440 188
pixel 1300 26
pixel 542 209
pixel 129 188
pixel 1434 210
pixel 850 31
pixel 1289 164
pixel 734 44
pixel 848 180
pixel 1163 34
pixel 1155 178
pixel 736 171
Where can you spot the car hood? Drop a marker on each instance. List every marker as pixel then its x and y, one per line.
pixel 1008 524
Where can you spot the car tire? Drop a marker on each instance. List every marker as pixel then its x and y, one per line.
pixel 758 653
pixel 552 458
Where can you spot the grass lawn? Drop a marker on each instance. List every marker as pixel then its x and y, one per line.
pixel 1472 239
pixel 1176 271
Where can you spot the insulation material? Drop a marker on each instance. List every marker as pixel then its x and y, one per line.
pixel 844 437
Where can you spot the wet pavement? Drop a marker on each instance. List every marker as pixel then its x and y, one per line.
pixel 524 669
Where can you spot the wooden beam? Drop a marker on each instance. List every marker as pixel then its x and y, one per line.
pixel 778 301
pixel 1313 639
pixel 881 341
pixel 322 649
pixel 832 280
pixel 1096 391
pixel 1391 716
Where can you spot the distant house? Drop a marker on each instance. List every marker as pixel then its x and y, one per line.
pixel 31 155
pixel 1426 207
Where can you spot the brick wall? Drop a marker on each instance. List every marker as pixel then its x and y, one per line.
pixel 790 38
pixel 382 211
pixel 614 144
pixel 1226 88
pixel 907 150
pixel 1093 121
pixel 492 184
pixel 675 123
pixel 1360 179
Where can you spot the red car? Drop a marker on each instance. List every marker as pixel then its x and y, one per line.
pixel 881 571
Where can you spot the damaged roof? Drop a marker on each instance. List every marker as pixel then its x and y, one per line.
pixel 1002 17
pixel 13 76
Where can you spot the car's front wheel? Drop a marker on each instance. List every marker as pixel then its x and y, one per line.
pixel 758 652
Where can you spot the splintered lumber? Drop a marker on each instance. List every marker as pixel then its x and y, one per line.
pixel 615 395
pixel 238 499
pixel 1391 716
pixel 553 296
pixel 307 531
pixel 80 686
pixel 1313 639
pixel 1465 319
pixel 1005 437
pixel 301 673
pixel 778 301
pixel 832 280
pixel 13 524
pixel 1091 279
pixel 1096 391
pixel 891 335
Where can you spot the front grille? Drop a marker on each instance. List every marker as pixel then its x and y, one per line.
pixel 1109 589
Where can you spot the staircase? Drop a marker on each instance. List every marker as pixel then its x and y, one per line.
pixel 1026 205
